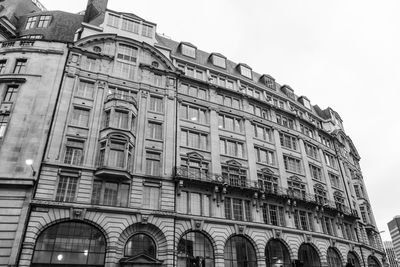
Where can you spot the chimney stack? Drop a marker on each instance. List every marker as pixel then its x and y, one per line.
pixel 95 12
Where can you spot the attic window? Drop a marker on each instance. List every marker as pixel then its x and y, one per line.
pixel 306 103
pixel 245 71
pixel 189 51
pixel 269 81
pixel 218 61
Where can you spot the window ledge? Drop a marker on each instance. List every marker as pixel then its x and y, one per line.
pixel 112 172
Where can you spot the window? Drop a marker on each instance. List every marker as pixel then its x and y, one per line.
pixel 32 36
pixel 260 112
pixel 194 168
pixel 335 181
pixel 234 175
pixel 277 254
pixel 74 152
pixel 188 51
pixel 44 21
pixel 292 164
pixel 194 249
pixel 155 130
pixel 308 255
pixel 229 101
pixel 113 21
pixel 311 150
pixel 262 132
pixel 130 25
pixel 66 189
pixel 140 244
pixel 116 157
pixel 153 163
pixel 330 160
pixel 115 152
pixel 121 119
pixel 232 148
pixel 239 252
pixel 194 203
pixel 151 197
pixel 194 114
pixel 194 139
pixel 264 156
pixel 193 91
pixel 306 130
pixel 316 172
pixel 70 243
pixel 245 71
pixel 328 226
pixel 3 124
pixel 127 53
pixel 267 182
pixel 230 123
pixel 11 93
pixel 157 80
pixel 303 220
pixel 156 104
pixel 218 61
pixel 124 70
pixel 20 65
pixel 237 209
pixel 90 64
pixel 80 117
pixel 110 193
pixel 85 89
pixel 285 121
pixel 269 82
pixel 30 23
pixel 3 63
pixel 320 194
pixel 339 200
pixel 296 188
pixel 325 141
pixel 147 30
pixel 273 214
pixel 288 141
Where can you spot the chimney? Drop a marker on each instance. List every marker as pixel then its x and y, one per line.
pixel 95 12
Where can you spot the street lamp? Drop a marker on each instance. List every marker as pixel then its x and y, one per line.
pixel 29 162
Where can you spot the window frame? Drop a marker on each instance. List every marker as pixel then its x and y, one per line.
pixel 102 201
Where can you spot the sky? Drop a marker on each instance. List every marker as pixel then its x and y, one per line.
pixel 340 54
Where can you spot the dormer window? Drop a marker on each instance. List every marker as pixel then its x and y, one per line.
pixel 306 103
pixel 288 91
pixel 44 21
pixel 268 81
pixel 245 71
pixel 188 50
pixel 147 31
pixel 30 23
pixel 218 60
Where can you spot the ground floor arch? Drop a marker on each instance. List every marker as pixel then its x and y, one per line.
pixel 195 249
pixel 277 254
pixel 239 252
pixel 352 260
pixel 308 256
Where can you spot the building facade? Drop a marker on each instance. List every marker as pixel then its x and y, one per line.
pixel 390 254
pixel 159 154
pixel 394 229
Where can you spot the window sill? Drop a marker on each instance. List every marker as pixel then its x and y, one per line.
pixel 195 148
pixel 295 173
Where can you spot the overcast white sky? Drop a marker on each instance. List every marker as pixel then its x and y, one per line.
pixel 342 54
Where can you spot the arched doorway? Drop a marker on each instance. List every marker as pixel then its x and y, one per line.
pixel 276 254
pixel 195 250
pixel 70 244
pixel 239 252
pixel 333 258
pixel 352 260
pixel 373 262
pixel 308 256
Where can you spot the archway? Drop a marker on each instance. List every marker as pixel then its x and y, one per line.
pixel 239 252
pixel 70 243
pixel 276 254
pixel 308 256
pixel 333 258
pixel 195 250
pixel 352 260
pixel 373 262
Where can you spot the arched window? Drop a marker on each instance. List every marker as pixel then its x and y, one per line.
pixel 194 249
pixel 308 256
pixel 276 254
pixel 352 260
pixel 140 244
pixel 373 262
pixel 239 252
pixel 333 258
pixel 70 244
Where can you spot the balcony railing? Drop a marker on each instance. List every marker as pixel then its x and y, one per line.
pixel 276 191
pixel 117 96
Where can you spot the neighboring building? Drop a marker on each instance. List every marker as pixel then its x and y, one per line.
pixel 155 153
pixel 390 253
pixel 394 229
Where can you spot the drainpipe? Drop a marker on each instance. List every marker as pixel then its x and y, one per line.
pixel 362 254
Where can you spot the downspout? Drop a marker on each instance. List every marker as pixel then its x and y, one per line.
pixel 362 254
pixel 176 160
pixel 43 157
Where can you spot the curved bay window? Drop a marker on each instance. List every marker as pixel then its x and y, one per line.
pixel 140 244
pixel 267 181
pixel 320 194
pixel 333 258
pixel 239 252
pixel 194 166
pixel 352 260
pixel 116 152
pixel 308 256
pixel 119 118
pixel 276 254
pixel 234 174
pixel 70 244
pixel 373 262
pixel 296 188
pixel 195 249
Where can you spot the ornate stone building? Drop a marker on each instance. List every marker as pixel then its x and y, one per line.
pixel 155 153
